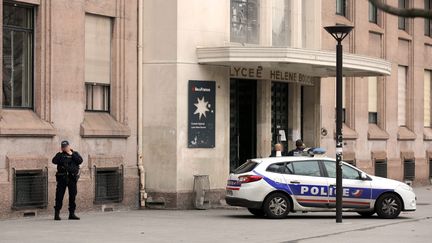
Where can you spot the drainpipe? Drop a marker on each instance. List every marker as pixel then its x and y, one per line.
pixel 140 164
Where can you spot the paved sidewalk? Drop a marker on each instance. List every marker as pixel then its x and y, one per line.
pixel 223 225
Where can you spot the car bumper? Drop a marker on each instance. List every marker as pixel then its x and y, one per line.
pixel 241 202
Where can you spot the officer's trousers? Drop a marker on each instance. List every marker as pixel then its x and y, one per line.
pixel 70 182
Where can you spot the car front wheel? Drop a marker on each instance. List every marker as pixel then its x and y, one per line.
pixel 388 206
pixel 276 206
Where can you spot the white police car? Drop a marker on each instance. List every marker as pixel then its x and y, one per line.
pixel 273 187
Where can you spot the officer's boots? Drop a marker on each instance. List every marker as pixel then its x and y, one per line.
pixel 72 216
pixel 57 215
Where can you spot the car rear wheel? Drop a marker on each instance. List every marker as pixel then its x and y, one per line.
pixel 276 206
pixel 366 213
pixel 257 212
pixel 388 206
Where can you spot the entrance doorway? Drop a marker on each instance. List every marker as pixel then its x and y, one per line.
pixel 279 109
pixel 243 125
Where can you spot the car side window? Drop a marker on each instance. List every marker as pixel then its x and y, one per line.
pixel 331 168
pixel 276 168
pixel 347 172
pixel 307 168
pixel 350 173
pixel 281 168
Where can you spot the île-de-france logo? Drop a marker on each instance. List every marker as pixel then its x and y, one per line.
pixel 202 106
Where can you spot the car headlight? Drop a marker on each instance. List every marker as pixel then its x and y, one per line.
pixel 406 187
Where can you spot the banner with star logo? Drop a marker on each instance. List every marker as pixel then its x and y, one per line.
pixel 202 113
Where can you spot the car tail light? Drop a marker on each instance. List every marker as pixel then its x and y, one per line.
pixel 249 178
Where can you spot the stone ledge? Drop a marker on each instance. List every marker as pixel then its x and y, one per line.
pixel 376 133
pixel 102 125
pixel 405 134
pixel 26 163
pixel 24 123
pixel 348 133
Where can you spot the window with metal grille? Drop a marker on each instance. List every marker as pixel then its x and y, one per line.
pixel 244 21
pixel 97 97
pixel 30 189
pixel 409 170
pixel 109 185
pixel 381 168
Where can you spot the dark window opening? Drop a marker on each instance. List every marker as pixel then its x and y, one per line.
pixel 373 13
pixel 428 22
pixel 30 189
pixel 18 48
pixel 373 117
pixel 97 97
pixel 430 169
pixel 279 113
pixel 409 170
pixel 351 162
pixel 109 185
pixel 402 22
pixel 341 7
pixel 381 168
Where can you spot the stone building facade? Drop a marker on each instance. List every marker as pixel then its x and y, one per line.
pixel 69 73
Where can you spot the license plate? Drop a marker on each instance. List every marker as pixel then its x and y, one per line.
pixel 229 192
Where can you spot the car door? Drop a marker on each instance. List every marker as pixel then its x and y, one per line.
pixel 307 184
pixel 356 192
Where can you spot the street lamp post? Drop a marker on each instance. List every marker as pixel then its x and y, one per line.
pixel 339 32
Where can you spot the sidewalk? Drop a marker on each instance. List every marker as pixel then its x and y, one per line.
pixel 223 225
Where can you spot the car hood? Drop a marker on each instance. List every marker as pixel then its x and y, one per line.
pixel 385 182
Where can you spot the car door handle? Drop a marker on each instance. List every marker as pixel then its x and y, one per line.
pixel 295 182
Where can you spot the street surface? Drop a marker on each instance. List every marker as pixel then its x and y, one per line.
pixel 223 225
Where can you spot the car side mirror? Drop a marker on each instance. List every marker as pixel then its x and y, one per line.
pixel 364 176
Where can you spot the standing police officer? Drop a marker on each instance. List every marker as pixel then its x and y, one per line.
pixel 68 162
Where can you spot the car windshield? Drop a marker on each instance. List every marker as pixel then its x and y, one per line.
pixel 246 167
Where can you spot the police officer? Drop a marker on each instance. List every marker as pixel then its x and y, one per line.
pixel 298 150
pixel 68 162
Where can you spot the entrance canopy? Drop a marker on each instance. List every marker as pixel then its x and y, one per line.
pixel 314 63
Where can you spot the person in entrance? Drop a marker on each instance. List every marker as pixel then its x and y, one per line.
pixel 68 162
pixel 300 146
pixel 278 151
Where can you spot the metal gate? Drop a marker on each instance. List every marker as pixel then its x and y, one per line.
pixel 243 98
pixel 30 189
pixel 109 185
pixel 279 109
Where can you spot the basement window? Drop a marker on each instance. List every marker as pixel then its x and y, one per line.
pixel 381 168
pixel 30 189
pixel 109 185
pixel 409 170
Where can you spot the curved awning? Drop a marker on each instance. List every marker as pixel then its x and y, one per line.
pixel 314 63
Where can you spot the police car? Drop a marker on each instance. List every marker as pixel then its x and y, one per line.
pixel 273 187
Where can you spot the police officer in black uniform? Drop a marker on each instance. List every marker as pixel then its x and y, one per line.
pixel 68 162
pixel 298 150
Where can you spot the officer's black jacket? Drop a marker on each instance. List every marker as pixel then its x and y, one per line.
pixel 67 163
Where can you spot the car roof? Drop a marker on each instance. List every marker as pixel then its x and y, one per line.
pixel 290 158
